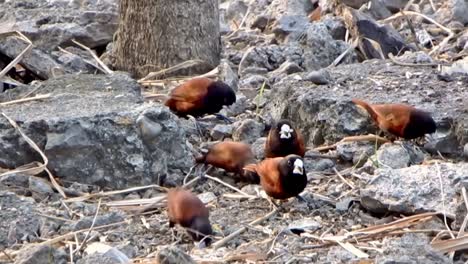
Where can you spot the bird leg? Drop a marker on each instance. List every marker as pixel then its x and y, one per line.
pixel 223 117
pixel 301 199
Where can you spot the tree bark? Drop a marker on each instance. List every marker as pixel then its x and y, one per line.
pixel 157 34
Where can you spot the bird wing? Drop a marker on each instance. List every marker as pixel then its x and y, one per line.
pixel 270 175
pixel 192 91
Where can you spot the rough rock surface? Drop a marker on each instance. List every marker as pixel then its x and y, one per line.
pixel 50 24
pixel 325 113
pixel 41 254
pixel 100 133
pixel 414 189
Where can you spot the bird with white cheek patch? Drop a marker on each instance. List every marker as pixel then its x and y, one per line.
pixel 282 177
pixel 283 140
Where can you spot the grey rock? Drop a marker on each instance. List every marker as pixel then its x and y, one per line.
pixel 378 10
pixel 221 131
pixel 357 152
pixel 335 26
pixel 248 131
pixel 254 82
pixel 389 39
pixel 320 77
pixel 290 26
pixel 414 189
pixel 236 10
pixel 50 24
pixel 39 185
pixel 321 49
pixel 410 248
pixel 261 22
pixel 95 130
pixel 105 219
pixel 395 5
pixel 37 61
pixel 227 75
pixel 20 220
pixel 15 180
pixel 236 108
pixel 284 69
pixel 465 151
pixel 207 197
pixel 325 114
pixel 258 148
pixel 32 254
pixel 97 258
pixel 339 255
pixel 344 204
pixel 173 255
pixel 75 64
pixel 252 70
pixel 453 10
pixel 393 156
pixel 415 57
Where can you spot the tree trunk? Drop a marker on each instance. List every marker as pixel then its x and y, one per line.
pixel 157 34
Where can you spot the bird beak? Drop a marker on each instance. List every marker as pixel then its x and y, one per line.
pixel 298 170
pixel 284 134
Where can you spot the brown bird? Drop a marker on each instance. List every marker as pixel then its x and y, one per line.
pixel 281 177
pixel 232 157
pixel 186 209
pixel 283 140
pixel 200 96
pixel 400 120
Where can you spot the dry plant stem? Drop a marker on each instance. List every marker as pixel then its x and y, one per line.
pixel 343 179
pixel 229 186
pixel 90 228
pixel 394 60
pixel 95 57
pixel 66 236
pixel 342 55
pixel 413 32
pixel 70 248
pixel 104 194
pixel 442 194
pixel 223 241
pixel 176 67
pixel 369 137
pixel 23 100
pixel 21 55
pixel 41 166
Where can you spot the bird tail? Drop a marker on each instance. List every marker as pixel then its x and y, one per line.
pixel 368 108
pixel 250 173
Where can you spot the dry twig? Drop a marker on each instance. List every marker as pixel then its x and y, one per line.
pixel 21 55
pixel 22 100
pixel 103 66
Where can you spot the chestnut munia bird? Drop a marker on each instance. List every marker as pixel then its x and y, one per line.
pixel 186 209
pixel 200 96
pixel 283 140
pixel 281 177
pixel 401 120
pixel 232 157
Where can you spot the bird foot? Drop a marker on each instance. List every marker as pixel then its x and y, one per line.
pixel 223 117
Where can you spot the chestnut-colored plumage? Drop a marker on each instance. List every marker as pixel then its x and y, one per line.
pixel 200 96
pixel 184 208
pixel 283 139
pixel 315 15
pixel 400 119
pixel 232 157
pixel 281 178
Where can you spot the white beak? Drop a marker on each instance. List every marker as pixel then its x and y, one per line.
pixel 298 167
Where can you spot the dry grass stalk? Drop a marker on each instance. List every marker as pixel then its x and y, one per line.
pixel 454 244
pixel 182 65
pixel 103 67
pixel 442 44
pixel 62 238
pixel 22 100
pixel 369 137
pixel 90 228
pixel 342 55
pixel 40 167
pixel 110 193
pixel 234 234
pixel 229 186
pixel 343 179
pixel 21 55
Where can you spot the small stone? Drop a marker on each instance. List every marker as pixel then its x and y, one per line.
pixel 207 197
pixel 258 148
pixel 254 82
pixel 220 132
pixel 248 131
pixel 227 75
pixel 320 77
pixel 391 156
pixel 31 254
pixel 261 22
pixel 173 255
pixel 39 185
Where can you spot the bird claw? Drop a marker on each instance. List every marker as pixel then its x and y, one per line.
pixel 223 117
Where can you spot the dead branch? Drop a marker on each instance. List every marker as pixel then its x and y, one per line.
pixel 21 55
